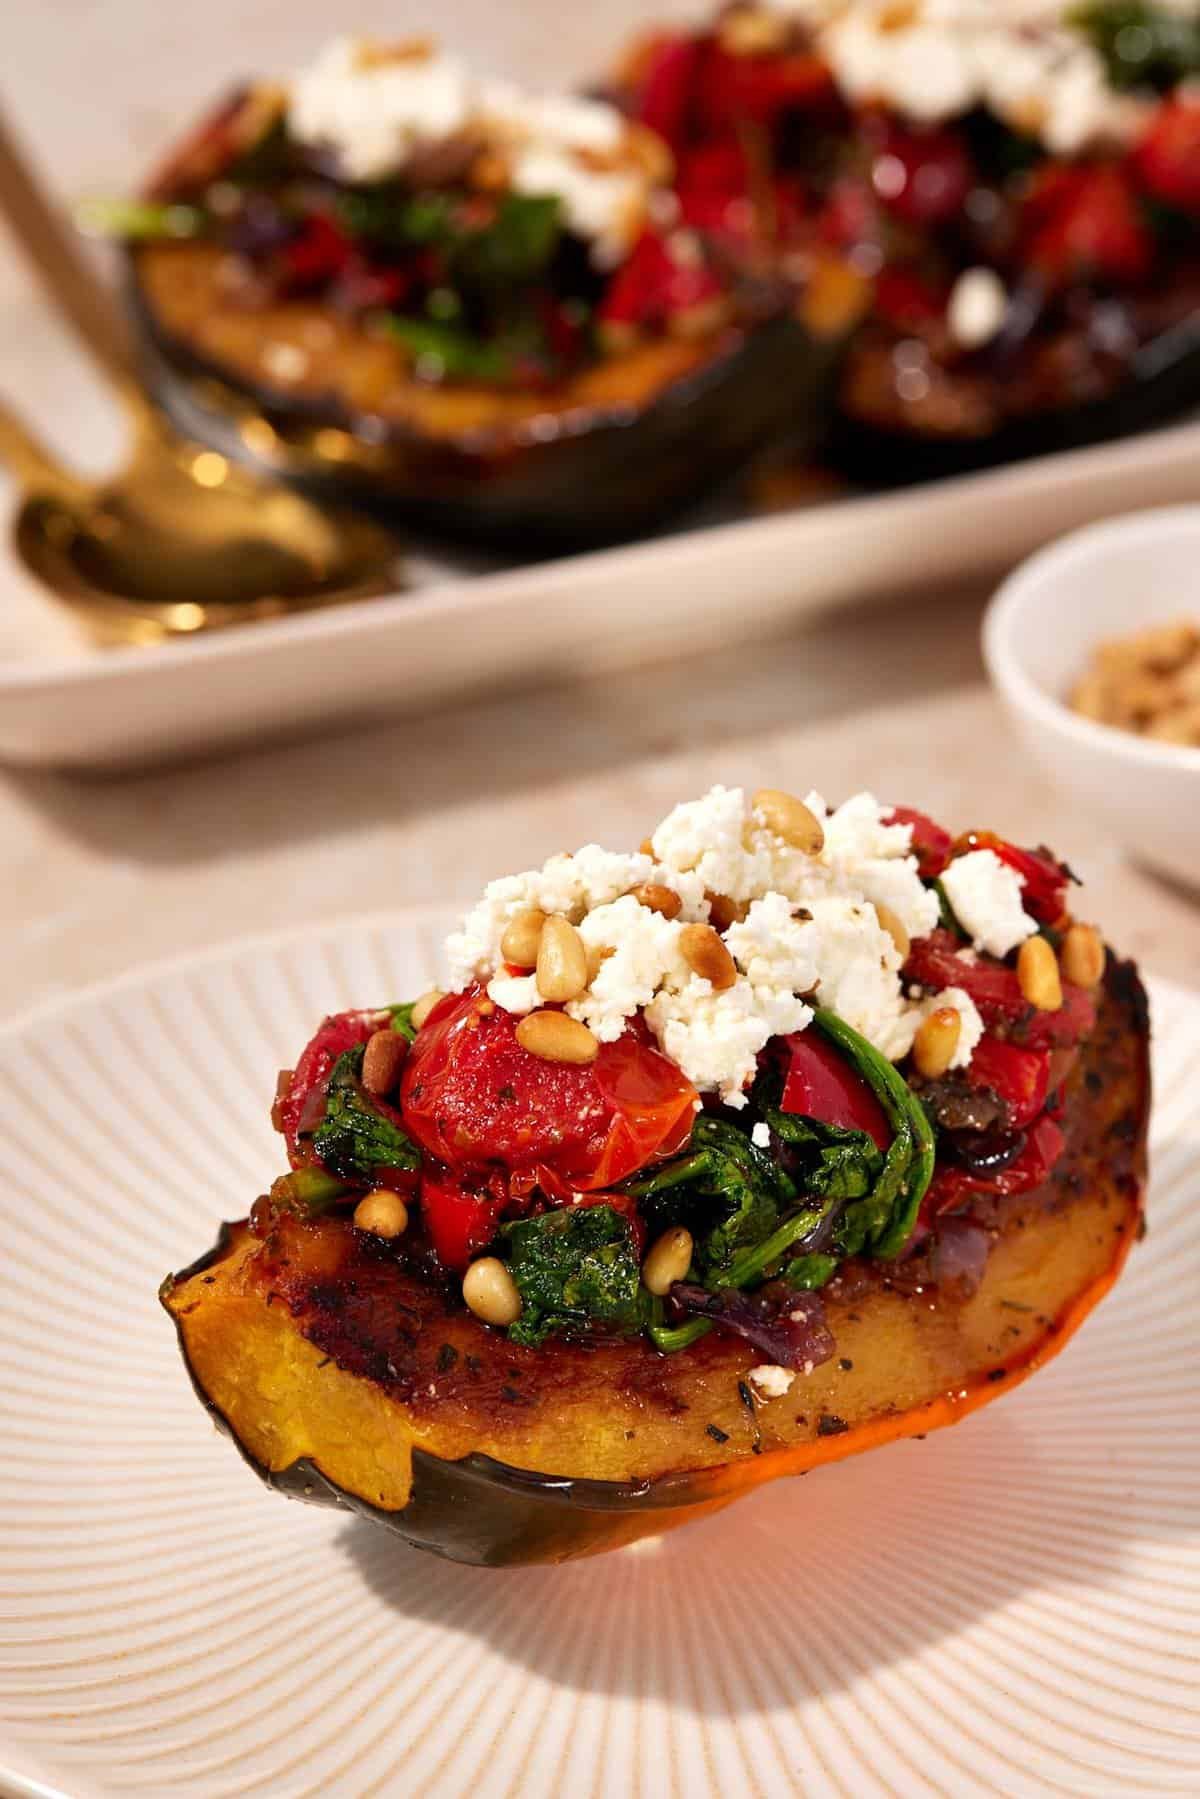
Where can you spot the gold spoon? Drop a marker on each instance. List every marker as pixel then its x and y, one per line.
pixel 183 539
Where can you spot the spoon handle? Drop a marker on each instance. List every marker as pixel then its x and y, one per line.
pixel 49 241
pixel 22 453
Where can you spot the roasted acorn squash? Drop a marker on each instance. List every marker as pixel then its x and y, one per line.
pixel 607 453
pixel 349 1378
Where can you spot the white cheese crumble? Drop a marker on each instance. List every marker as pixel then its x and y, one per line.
pixel 810 934
pixel 935 59
pixel 978 308
pixel 760 1136
pixel 770 1381
pixel 986 896
pixel 373 108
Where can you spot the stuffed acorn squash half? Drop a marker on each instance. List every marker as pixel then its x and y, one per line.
pixel 798 1131
pixel 472 305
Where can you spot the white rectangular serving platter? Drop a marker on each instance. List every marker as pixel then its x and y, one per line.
pixel 452 633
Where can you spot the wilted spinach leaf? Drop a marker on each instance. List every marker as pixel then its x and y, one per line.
pixel 355 1139
pixel 1143 45
pixel 825 1160
pixel 577 1265
pixel 722 1177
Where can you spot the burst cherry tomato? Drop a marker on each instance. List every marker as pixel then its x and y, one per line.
pixel 819 1083
pixel 667 84
pixel 1085 221
pixel 460 1221
pixel 653 285
pixel 302 1105
pixel 923 177
pixel 1167 160
pixel 930 844
pixel 475 1100
pixel 935 962
pixel 1020 1076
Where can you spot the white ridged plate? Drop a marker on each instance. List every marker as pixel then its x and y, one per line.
pixel 1012 1607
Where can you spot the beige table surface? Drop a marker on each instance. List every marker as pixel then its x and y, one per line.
pixel 97 877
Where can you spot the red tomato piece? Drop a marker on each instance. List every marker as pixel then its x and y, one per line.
pixel 904 298
pixel 923 177
pixel 952 1187
pixel 1167 160
pixel 320 253
pixel 1043 878
pixel 665 101
pixel 460 1222
pixel 652 285
pixel 303 1103
pixel 1085 221
pixel 1020 1076
pixel 820 1083
pixel 474 1099
pixel 930 844
pixel 935 961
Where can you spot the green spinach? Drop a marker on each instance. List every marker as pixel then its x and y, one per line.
pixel 1143 45
pixel 354 1139
pixel 576 1265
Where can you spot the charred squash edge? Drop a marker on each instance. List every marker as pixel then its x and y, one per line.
pixel 483 1511
pixel 605 473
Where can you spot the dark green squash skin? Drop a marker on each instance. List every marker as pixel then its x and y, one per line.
pixel 483 1511
pixel 1163 384
pixel 603 477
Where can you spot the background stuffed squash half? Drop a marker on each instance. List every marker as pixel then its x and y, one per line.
pixel 683 1187
pixel 477 306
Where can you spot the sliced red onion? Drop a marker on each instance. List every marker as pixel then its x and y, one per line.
pixel 787 1327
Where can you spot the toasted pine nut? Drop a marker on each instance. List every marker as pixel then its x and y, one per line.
pixel 1082 955
pixel 519 944
pixel 658 899
pixel 598 954
pixel 425 1005
pixel 491 1292
pixel 895 929
pixel 646 847
pixel 790 819
pixel 383 1059
pixel 936 1041
pixel 381 1212
pixel 562 970
pixel 705 954
pixel 555 1037
pixel 667 1261
pixel 1038 976
pixel 723 911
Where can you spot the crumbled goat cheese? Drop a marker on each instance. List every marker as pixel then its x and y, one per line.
pixel 937 59
pixel 716 1037
pixel 770 1381
pixel 760 1136
pixel 977 309
pixel 986 896
pixel 373 110
pixel 810 928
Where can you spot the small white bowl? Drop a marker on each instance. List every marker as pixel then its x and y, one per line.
pixel 1108 580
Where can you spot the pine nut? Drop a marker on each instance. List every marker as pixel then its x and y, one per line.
pixel 1038 976
pixel 789 818
pixel 664 900
pixel 1082 955
pixel 425 1005
pixel 562 969
pixel 383 1059
pixel 705 954
pixel 936 1041
pixel 723 911
pixel 491 1292
pixel 598 954
pixel 667 1261
pixel 519 944
pixel 646 847
pixel 555 1037
pixel 895 930
pixel 382 1212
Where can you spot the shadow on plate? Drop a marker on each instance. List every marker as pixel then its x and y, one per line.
pixel 799 1591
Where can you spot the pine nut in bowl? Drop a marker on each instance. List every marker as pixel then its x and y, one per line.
pixel 1106 583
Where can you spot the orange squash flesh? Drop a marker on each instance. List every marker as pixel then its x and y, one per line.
pixel 345 1376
